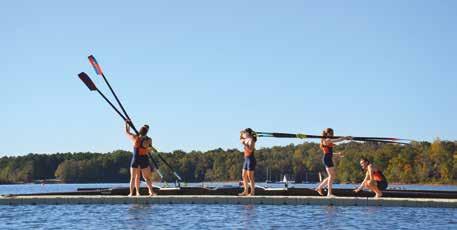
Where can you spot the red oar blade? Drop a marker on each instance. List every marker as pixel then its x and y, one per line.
pixel 86 79
pixel 95 64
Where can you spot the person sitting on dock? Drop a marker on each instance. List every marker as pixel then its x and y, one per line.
pixel 248 139
pixel 140 162
pixel 374 179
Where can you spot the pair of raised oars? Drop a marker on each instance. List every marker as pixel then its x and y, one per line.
pixel 305 136
pixel 90 84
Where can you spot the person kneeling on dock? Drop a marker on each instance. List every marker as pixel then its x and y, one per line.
pixel 140 162
pixel 248 139
pixel 374 179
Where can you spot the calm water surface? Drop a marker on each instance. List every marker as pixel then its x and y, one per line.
pixel 214 216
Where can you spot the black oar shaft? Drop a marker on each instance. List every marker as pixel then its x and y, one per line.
pixel 112 106
pixel 169 166
pixel 88 82
pixel 120 104
pixel 156 166
pixel 278 135
pixel 132 125
pixel 303 136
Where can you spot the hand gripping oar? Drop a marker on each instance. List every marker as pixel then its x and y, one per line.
pixel 99 71
pixel 304 136
pixel 90 84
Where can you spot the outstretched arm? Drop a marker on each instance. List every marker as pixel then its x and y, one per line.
pixel 329 141
pixel 341 139
pixel 363 182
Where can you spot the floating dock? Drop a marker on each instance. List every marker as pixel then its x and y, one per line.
pixel 254 200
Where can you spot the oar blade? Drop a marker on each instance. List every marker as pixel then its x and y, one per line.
pixel 95 64
pixel 87 81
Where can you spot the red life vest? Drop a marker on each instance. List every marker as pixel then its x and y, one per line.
pixel 378 176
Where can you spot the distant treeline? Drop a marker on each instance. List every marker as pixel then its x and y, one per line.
pixel 417 163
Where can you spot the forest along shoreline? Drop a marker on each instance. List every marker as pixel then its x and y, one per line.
pixel 420 163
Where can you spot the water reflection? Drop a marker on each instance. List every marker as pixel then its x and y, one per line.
pixel 248 215
pixel 138 215
pixel 330 211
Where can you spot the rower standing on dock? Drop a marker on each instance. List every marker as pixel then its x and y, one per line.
pixel 327 147
pixel 248 139
pixel 140 162
pixel 374 179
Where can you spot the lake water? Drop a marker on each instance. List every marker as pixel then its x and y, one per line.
pixel 216 216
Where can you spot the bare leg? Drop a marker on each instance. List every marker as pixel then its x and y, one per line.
pixel 245 183
pixel 373 187
pixel 133 172
pixel 331 176
pixel 147 175
pixel 320 186
pixel 137 181
pixel 250 175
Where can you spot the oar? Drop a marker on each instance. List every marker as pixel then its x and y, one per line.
pixel 99 71
pixel 90 84
pixel 171 168
pixel 384 141
pixel 304 136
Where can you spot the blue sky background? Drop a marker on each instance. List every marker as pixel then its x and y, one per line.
pixel 200 71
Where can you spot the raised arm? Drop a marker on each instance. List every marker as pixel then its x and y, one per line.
pixel 129 134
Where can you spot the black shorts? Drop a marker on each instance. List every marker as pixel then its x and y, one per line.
pixel 139 161
pixel 382 185
pixel 327 160
pixel 249 163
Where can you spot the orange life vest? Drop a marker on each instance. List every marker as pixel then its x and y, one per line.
pixel 138 146
pixel 327 149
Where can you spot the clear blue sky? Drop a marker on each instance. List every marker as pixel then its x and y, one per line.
pixel 200 71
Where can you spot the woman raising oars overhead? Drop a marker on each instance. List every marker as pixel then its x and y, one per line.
pixel 327 144
pixel 248 139
pixel 140 162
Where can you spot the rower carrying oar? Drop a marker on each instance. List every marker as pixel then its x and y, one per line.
pixel 90 84
pixel 142 146
pixel 98 71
